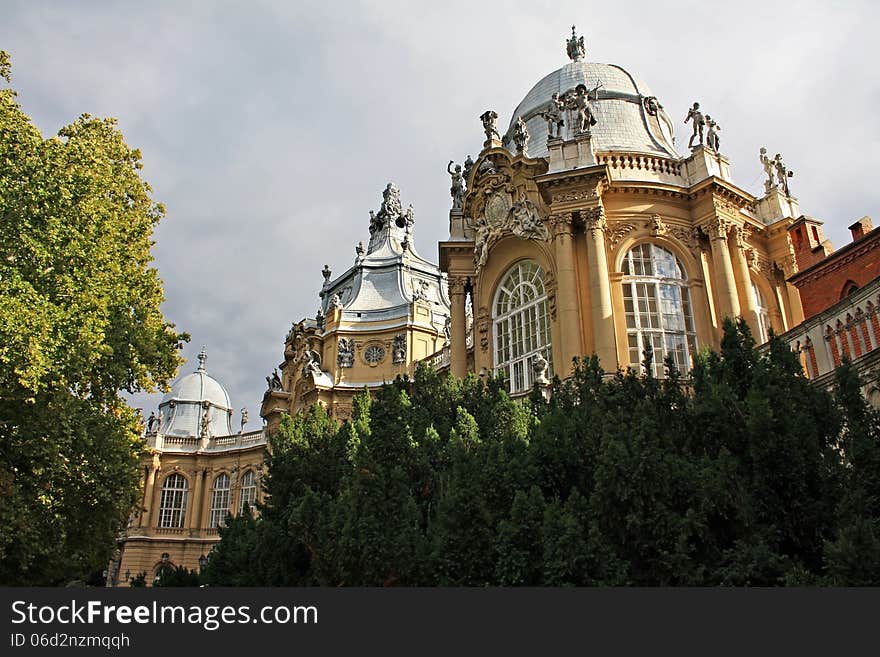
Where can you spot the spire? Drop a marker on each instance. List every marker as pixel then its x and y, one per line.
pixel 203 357
pixel 575 46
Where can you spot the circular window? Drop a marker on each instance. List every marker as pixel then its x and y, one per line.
pixel 374 354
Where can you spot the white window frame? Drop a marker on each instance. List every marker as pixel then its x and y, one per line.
pixel 521 331
pixel 172 504
pixel 219 501
pixel 248 492
pixel 644 321
pixel 763 314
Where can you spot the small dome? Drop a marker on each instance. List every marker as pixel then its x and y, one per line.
pixel 183 410
pixel 623 124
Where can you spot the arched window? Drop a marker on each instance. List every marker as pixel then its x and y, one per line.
pixel 658 308
pixel 172 505
pixel 763 315
pixel 219 501
pixel 521 323
pixel 848 288
pixel 248 490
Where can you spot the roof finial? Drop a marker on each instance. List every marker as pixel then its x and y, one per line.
pixel 575 46
pixel 203 357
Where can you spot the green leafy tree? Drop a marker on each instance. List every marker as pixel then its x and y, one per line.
pixel 80 322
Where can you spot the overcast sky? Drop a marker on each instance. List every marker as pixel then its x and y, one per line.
pixel 269 129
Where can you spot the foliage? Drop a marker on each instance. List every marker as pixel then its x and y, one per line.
pixel 80 322
pixel 746 476
pixel 168 575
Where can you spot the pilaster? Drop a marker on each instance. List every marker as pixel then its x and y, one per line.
pixel 601 308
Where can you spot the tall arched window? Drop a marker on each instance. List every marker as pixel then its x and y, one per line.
pixel 658 308
pixel 219 501
pixel 763 316
pixel 521 323
pixel 248 490
pixel 172 505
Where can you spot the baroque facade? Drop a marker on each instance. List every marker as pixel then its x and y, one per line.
pixel 385 313
pixel 583 230
pixel 196 472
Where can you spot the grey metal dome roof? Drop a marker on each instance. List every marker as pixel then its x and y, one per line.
pixel 622 125
pixel 182 408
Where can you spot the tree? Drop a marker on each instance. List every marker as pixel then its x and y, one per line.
pixel 80 322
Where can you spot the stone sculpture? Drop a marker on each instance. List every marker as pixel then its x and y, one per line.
pixel 326 273
pixel 244 418
pixel 769 169
pixel 580 103
pixel 152 423
pixel 713 141
pixel 359 249
pixel 468 165
pixel 345 353
pixel 398 350
pixel 540 367
pixel 336 302
pixel 311 361
pixel 699 123
pixel 575 47
pixel 488 118
pixel 520 135
pixel 782 174
pixel 457 189
pixel 274 382
pixel 553 116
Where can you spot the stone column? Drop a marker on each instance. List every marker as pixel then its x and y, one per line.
pixel 153 520
pixel 144 520
pixel 725 283
pixel 744 279
pixel 458 350
pixel 601 310
pixel 566 294
pixel 193 505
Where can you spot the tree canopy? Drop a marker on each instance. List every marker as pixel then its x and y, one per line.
pixel 80 322
pixel 744 475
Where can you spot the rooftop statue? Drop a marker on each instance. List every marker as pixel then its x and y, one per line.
pixel 580 103
pixel 152 423
pixel 575 47
pixel 457 189
pixel 326 273
pixel 699 123
pixel 769 170
pixel 488 118
pixel 244 418
pixel 712 139
pixel 782 174
pixel 553 116
pixel 468 165
pixel 520 135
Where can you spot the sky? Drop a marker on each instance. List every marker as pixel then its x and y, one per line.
pixel 269 129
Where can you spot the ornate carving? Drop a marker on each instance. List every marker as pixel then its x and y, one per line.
pixel 398 349
pixel 457 284
pixel 782 174
pixel 652 105
pixel 273 382
pixel 594 219
pixel 345 353
pixel 657 226
pixel 617 232
pixel 524 222
pixel 482 324
pixel 571 195
pixel 687 236
pixel 540 367
pixel 723 205
pixel 374 354
pixel 311 363
pixel 717 228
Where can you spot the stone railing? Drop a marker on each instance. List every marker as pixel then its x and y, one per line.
pixel 439 360
pixel 850 328
pixel 642 167
pixel 196 444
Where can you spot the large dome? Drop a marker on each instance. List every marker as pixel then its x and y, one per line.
pixel 183 409
pixel 623 123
